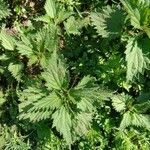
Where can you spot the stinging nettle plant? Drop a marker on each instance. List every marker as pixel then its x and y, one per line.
pixel 70 108
pixel 137 49
pixel 134 112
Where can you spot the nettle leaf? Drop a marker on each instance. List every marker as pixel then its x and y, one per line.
pixel 134 14
pixel 24 46
pixel 119 103
pixel 50 8
pixel 83 123
pixel 52 40
pixel 27 97
pixel 31 94
pixel 134 119
pixel 143 107
pixel 55 74
pixel 85 104
pixel 44 18
pixel 39 46
pixel 51 101
pixel 63 14
pixel 139 13
pixel 40 109
pixel 27 108
pixel 84 82
pixel 107 23
pixel 8 41
pixel 126 121
pixel 4 11
pixel 141 120
pixel 62 122
pixel 47 39
pixel 16 70
pixel 136 60
pixel 72 26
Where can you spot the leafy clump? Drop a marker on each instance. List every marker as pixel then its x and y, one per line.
pixel 70 108
pixel 74 75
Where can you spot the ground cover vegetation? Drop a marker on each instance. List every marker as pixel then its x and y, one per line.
pixel 74 75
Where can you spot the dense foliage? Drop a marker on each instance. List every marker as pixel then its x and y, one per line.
pixel 74 74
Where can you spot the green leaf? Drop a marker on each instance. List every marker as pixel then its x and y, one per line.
pixel 83 123
pixel 4 11
pixel 51 101
pixel 55 74
pixel 24 46
pixel 72 26
pixel 126 121
pixel 7 40
pixel 142 107
pixel 63 15
pixel 52 40
pixel 31 94
pixel 84 82
pixel 119 103
pixel 136 60
pixel 85 105
pixel 107 23
pixel 50 8
pixel 44 18
pixel 139 13
pixel 63 124
pixel 141 120
pixel 39 46
pixel 16 70
pixel 134 119
pixel 134 14
pixel 36 105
